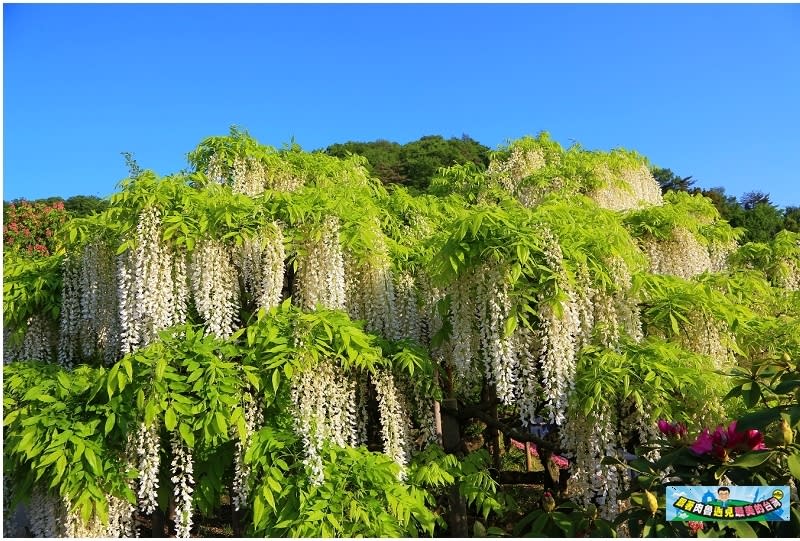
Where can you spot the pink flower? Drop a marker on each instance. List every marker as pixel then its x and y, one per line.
pixel 703 444
pixel 694 525
pixel 672 430
pixel 723 440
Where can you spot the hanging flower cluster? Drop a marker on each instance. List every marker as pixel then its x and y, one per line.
pixel 617 310
pixel 463 312
pixel 147 450
pixel 99 326
pixel 590 441
pixel 509 173
pixel 718 253
pixel 632 188
pixel 557 337
pixel 151 282
pixel 248 176
pixel 38 343
pixel 407 311
pixel 183 483
pixel 789 279
pixel 371 296
pixel 499 352
pixel 215 287
pixel 120 521
pixel 394 419
pixel 680 255
pixel 46 514
pixel 261 262
pixel 325 409
pixel 709 336
pixel 70 315
pixel 253 418
pixel 530 392
pixel 320 275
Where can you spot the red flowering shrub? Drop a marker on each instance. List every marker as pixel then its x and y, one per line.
pixel 31 227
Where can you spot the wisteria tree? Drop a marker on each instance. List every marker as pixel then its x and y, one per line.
pixel 279 328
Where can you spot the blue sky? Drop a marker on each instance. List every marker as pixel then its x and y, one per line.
pixel 711 91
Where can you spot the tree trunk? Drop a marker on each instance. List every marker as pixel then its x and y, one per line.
pixel 451 442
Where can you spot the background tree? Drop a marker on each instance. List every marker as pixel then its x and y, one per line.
pixel 670 181
pixel 415 163
pixel 791 219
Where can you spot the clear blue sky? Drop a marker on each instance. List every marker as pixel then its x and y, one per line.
pixel 711 91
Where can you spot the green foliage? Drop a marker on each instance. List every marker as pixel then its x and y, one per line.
pixel 67 429
pixel 361 495
pixel 417 162
pixel 694 212
pixel 30 287
pixel 770 391
pixel 657 376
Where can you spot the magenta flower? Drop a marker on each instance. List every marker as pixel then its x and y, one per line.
pixel 672 430
pixel 724 440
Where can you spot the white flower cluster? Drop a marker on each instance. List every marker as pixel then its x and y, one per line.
pixel 789 279
pixel 147 449
pixel 557 338
pixel 261 261
pixel 70 315
pixel 617 310
pixel 394 419
pixel 183 482
pixel 430 321
pixel 361 413
pixel 46 514
pixel 120 521
pixel 641 423
pixel 215 287
pixel 151 282
pixel 248 176
pixel 99 326
pixel 680 255
pixel 325 409
pixel 499 353
pixel 407 311
pixel 633 188
pixel 254 418
pixel 370 295
pixel 463 312
pixel 708 336
pixel 214 169
pixel 591 440
pixel 38 343
pixel 509 173
pixel 320 275
pixel 529 390
pixel 12 526
pixel 718 253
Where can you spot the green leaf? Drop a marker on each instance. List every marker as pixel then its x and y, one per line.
pixel 187 434
pixel 110 423
pixel 751 459
pixel 794 464
pixel 222 425
pixel 276 380
pixel 170 420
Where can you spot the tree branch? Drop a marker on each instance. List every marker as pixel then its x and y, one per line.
pixel 467 411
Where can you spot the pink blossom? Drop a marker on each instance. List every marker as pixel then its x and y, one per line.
pixel 672 430
pixel 723 440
